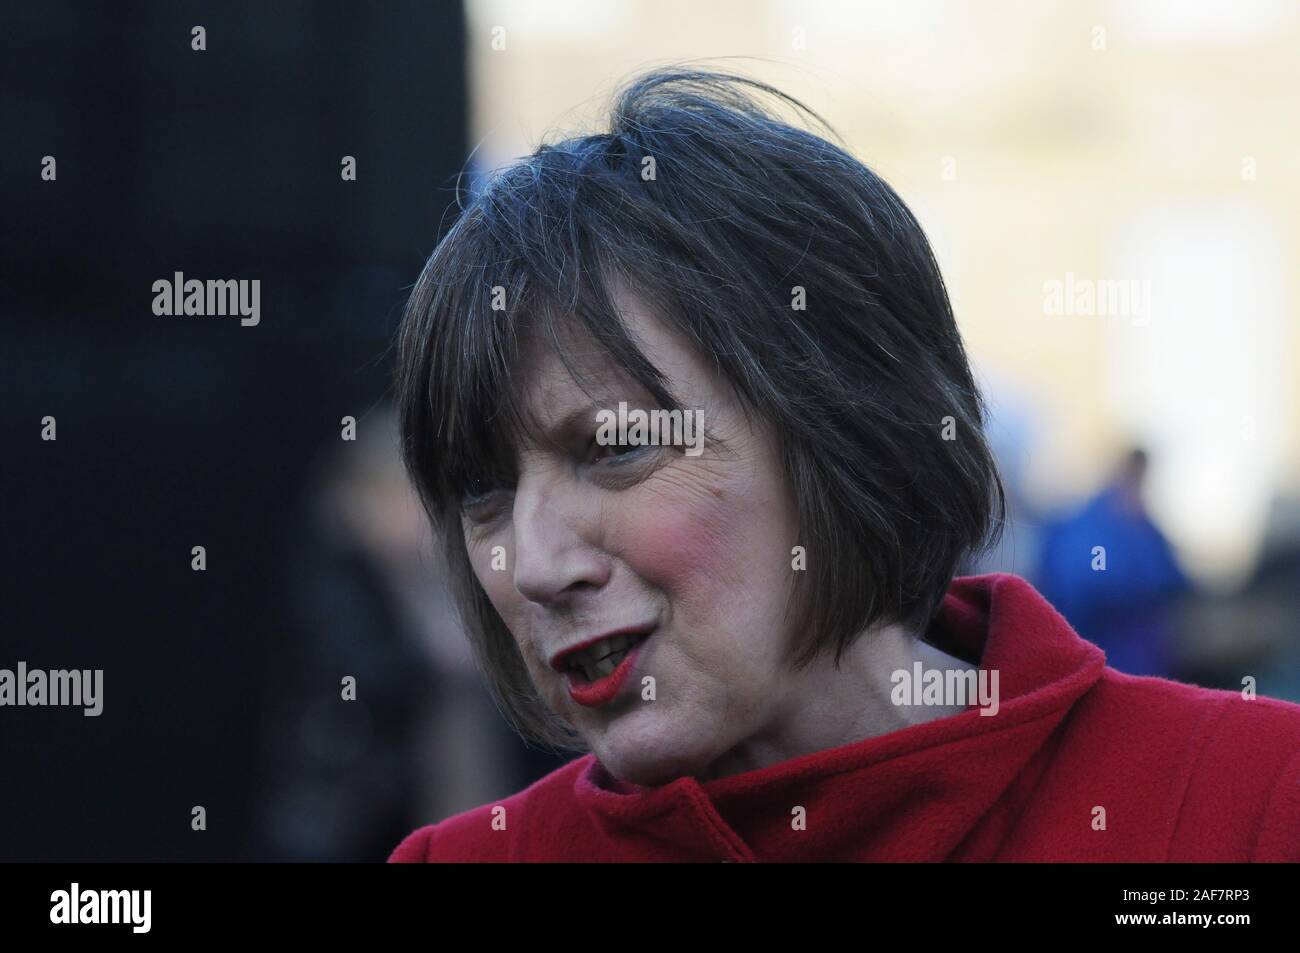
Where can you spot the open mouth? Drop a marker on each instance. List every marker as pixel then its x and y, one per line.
pixel 600 659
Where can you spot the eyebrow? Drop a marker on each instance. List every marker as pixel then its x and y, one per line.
pixel 577 422
pixel 581 421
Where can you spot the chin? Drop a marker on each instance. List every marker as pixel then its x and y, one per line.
pixel 648 760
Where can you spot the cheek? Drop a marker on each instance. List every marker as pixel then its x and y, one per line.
pixel 497 584
pixel 499 587
pixel 716 551
pixel 716 546
pixel 679 545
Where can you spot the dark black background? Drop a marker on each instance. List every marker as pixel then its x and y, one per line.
pixel 179 431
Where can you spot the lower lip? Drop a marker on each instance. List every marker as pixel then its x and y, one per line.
pixel 603 690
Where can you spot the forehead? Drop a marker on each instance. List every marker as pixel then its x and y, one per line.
pixel 577 373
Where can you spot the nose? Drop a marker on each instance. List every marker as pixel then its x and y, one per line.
pixel 554 556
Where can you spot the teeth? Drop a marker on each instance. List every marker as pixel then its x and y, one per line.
pixel 600 659
pixel 602 648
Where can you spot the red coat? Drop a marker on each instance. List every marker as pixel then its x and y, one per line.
pixel 1183 774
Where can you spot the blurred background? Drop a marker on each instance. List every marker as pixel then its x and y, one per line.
pixel 1109 187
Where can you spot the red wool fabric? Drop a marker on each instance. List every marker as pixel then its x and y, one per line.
pixel 1183 773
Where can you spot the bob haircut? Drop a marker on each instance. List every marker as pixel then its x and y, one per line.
pixel 794 270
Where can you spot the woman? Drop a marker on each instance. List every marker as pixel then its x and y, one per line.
pixel 753 627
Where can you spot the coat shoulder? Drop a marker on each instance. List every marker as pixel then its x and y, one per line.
pixel 480 835
pixel 1215 723
pixel 1180 698
pixel 1228 763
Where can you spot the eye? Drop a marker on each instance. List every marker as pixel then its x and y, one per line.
pixel 483 508
pixel 615 454
pixel 482 502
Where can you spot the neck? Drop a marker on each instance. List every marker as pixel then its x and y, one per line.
pixel 822 707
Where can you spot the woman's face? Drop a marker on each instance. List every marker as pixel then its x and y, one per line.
pixel 696 549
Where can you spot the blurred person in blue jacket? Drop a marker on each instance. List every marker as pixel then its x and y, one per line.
pixel 1113 575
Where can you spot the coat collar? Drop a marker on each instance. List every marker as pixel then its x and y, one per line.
pixel 913 794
